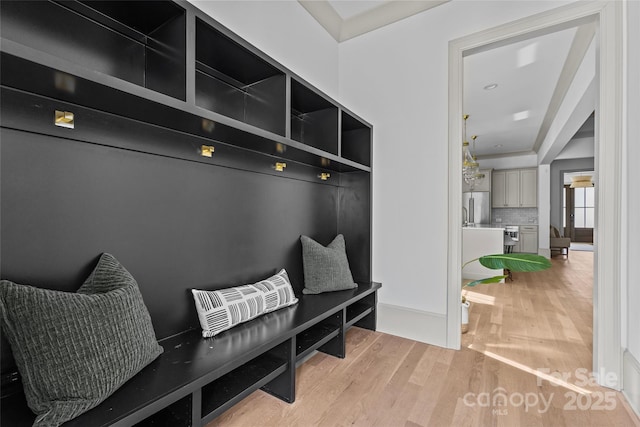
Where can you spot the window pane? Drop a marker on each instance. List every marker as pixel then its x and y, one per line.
pixel 590 194
pixel 579 200
pixel 564 197
pixel 579 218
pixel 564 217
pixel 589 219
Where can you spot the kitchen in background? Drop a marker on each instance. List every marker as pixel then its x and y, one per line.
pixel 514 216
pixel 476 207
pixel 513 207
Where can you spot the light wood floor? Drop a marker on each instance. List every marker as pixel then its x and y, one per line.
pixel 539 323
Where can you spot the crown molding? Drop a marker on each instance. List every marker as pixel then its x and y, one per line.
pixel 344 29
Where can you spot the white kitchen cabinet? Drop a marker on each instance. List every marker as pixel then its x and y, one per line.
pixel 483 185
pixel 528 239
pixel 528 188
pixel 499 189
pixel 514 188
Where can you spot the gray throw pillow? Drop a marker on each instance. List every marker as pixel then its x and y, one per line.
pixel 73 350
pixel 326 269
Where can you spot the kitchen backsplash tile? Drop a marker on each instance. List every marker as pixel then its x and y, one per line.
pixel 515 216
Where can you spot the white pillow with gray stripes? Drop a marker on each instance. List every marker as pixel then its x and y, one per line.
pixel 223 309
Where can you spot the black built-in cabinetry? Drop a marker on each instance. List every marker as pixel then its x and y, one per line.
pixel 84 52
pixel 150 85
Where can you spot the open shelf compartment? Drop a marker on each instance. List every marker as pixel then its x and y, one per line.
pixel 362 313
pixel 355 140
pixel 142 42
pixel 314 337
pixel 178 414
pixel 235 82
pixel 356 312
pixel 314 119
pixel 226 391
pixel 324 336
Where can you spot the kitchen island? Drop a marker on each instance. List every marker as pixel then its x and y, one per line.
pixel 479 240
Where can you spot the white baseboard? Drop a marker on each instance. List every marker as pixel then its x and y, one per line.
pixel 423 326
pixel 631 381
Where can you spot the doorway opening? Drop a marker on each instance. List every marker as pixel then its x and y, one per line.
pixel 578 209
pixel 607 357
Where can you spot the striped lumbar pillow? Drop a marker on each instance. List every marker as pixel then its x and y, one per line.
pixel 223 309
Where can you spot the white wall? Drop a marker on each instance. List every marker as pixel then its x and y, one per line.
pixel 631 292
pixel 544 210
pixel 397 77
pixel 286 32
pixel 633 199
pixel 578 148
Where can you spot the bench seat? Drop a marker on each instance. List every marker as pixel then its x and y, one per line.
pixel 196 379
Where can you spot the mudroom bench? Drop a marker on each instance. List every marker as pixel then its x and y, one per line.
pixel 196 379
pixel 149 130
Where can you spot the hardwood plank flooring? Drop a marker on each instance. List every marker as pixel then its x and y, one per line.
pixel 524 362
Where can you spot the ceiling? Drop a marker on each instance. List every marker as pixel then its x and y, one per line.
pixel 532 76
pixel 508 117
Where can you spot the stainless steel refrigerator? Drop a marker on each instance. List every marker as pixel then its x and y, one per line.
pixel 478 207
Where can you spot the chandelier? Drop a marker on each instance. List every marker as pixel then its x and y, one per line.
pixel 470 167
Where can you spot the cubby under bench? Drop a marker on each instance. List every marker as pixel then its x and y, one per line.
pixel 196 379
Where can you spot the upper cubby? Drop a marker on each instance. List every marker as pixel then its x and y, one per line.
pixel 234 82
pixel 142 42
pixel 314 119
pixel 355 140
pixel 168 63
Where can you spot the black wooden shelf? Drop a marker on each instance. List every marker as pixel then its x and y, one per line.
pixel 357 312
pixel 177 414
pixel 231 388
pixel 129 59
pixel 234 82
pixel 314 119
pixel 28 70
pixel 313 338
pixel 140 42
pixel 355 140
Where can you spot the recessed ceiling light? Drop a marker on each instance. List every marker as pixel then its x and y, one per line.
pixel 491 86
pixel 521 115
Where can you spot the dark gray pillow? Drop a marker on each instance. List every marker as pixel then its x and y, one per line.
pixel 326 269
pixel 73 350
